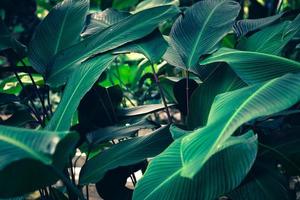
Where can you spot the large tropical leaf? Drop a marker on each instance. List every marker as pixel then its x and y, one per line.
pixel 141 110
pixel 200 29
pixel 115 132
pixel 222 80
pixel 209 183
pixel 26 158
pixel 125 153
pixel 153 46
pixel 78 85
pixel 59 30
pixel 254 67
pixel 271 39
pixel 244 26
pixel 99 21
pixel 131 28
pixel 187 157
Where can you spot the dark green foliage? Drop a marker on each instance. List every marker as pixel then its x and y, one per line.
pixel 201 97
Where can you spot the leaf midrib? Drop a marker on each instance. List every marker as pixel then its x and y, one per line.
pixel 201 32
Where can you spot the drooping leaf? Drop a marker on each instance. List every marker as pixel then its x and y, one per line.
pixel 60 29
pixel 271 39
pixel 244 26
pixel 114 132
pixel 125 153
pixel 141 110
pixel 78 85
pixel 154 3
pixel 211 180
pixel 97 22
pixel 223 79
pixel 187 157
pixel 200 29
pixel 129 29
pixel 153 46
pixel 254 67
pixel 27 157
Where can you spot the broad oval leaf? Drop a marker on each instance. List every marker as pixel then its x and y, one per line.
pixel 188 155
pixel 203 97
pixel 254 67
pixel 209 183
pixel 244 26
pixel 141 110
pixel 200 29
pixel 153 46
pixel 125 153
pixel 78 85
pixel 99 21
pixel 271 39
pixel 60 29
pixel 129 29
pixel 26 158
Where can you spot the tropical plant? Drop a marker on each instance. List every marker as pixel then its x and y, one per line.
pixel 105 89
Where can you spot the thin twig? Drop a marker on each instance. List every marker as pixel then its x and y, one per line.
pixel 68 183
pixel 36 112
pixel 162 94
pixel 34 86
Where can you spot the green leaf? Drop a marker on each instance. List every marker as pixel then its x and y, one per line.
pixel 254 67
pixel 222 80
pixel 59 30
pixel 153 46
pixel 211 180
pixel 187 157
pixel 99 21
pixel 146 4
pixel 78 85
pixel 177 132
pixel 201 28
pixel 244 26
pixel 272 39
pixel 119 131
pixel 26 158
pixel 263 182
pixel 125 153
pixel 129 29
pixel 141 110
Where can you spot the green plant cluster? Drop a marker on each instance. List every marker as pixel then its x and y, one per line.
pixel 94 81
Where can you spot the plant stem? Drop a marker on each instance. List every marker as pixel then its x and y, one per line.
pixel 49 102
pixel 68 183
pixel 72 171
pixel 36 112
pixel 187 92
pixel 162 94
pixel 34 86
pixel 39 96
pixel 112 106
